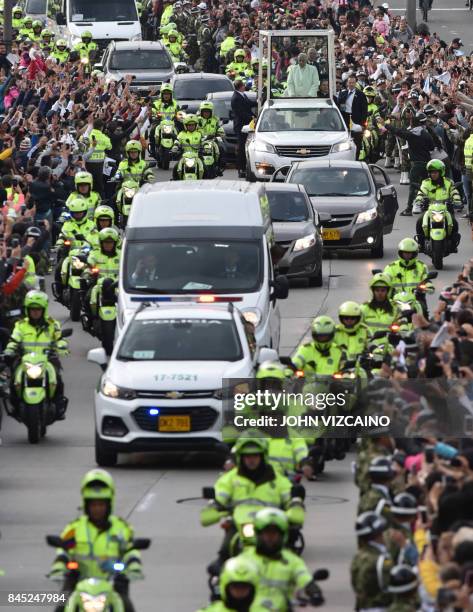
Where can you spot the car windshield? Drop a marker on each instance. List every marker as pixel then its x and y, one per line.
pixel 181 340
pixel 287 206
pixel 105 10
pixel 222 108
pixel 300 120
pixel 197 89
pixel 139 59
pixel 332 181
pixel 36 7
pixel 193 266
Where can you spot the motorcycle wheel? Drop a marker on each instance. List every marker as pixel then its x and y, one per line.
pixel 107 335
pixel 210 172
pixel 34 424
pixel 437 254
pixel 164 158
pixel 75 304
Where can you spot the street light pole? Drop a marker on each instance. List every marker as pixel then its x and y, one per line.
pixel 7 25
pixel 411 13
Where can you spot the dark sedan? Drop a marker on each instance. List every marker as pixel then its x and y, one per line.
pixel 356 202
pixel 222 101
pixel 299 245
pixel 192 88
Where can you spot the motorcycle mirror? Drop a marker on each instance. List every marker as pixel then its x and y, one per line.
pixel 141 543
pixel 298 490
pixel 152 164
pixel 67 333
pixel 432 275
pixel 55 541
pixel 285 360
pixel 321 574
pixel 208 492
pixel 376 271
pixel 378 334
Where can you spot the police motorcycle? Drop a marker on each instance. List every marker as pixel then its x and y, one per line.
pixel 189 167
pixel 420 292
pixel 125 201
pixel 102 322
pixel 165 135
pixel 209 159
pixel 436 236
pixel 72 268
pixel 35 382
pixel 95 594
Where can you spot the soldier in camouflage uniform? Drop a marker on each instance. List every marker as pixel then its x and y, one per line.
pixel 399 539
pixel 403 584
pixel 371 565
pixel 378 497
pixel 206 48
pixel 193 25
pixel 368 449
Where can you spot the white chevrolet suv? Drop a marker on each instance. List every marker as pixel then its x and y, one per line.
pixel 294 129
pixel 162 387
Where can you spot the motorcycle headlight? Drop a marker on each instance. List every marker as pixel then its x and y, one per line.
pixel 167 129
pixel 33 370
pixel 367 215
pixel 264 147
pixel 84 60
pixel 77 263
pixel 304 243
pixel 93 603
pixel 341 146
pixel 190 163
pixel 253 316
pixel 366 133
pixel 130 193
pixel 248 530
pixel 437 217
pixel 109 389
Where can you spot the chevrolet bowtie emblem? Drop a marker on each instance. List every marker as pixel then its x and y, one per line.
pixel 303 151
pixel 174 395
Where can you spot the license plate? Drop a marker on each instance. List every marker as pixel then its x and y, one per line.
pixel 174 423
pixel 330 234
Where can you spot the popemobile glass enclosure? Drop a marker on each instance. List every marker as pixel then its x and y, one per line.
pixel 296 64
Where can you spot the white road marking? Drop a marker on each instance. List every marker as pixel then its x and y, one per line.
pixel 146 503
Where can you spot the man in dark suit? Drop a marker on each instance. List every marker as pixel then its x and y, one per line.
pixel 242 115
pixel 354 107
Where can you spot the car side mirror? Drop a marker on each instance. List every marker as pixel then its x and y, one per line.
pixel 385 192
pixel 60 19
pixel 280 287
pixel 208 492
pixel 267 354
pixel 246 129
pixel 98 356
pixel 280 175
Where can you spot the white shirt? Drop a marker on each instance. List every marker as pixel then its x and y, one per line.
pixel 349 102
